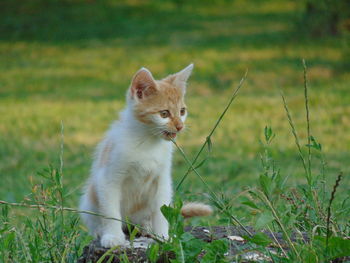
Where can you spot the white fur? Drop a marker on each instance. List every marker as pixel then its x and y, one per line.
pixel 136 154
pixel 138 170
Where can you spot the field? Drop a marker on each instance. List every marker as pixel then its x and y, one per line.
pixel 65 67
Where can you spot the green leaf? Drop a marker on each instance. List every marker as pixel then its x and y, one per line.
pixel 174 218
pixel 152 252
pixel 215 251
pixel 259 239
pixel 133 234
pixel 170 213
pixel 185 237
pixel 314 144
pixel 191 246
pixel 264 219
pixel 269 135
pixel 337 246
pixel 248 202
pixel 265 184
pixel 9 239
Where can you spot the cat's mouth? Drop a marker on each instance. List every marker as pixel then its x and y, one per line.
pixel 169 135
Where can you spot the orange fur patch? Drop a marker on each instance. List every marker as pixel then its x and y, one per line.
pixel 93 195
pixel 105 154
pixel 155 183
pixel 147 178
pixel 138 207
pixel 142 203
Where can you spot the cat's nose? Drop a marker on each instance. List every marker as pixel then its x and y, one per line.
pixel 179 127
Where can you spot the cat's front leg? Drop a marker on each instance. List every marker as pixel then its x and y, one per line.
pixel 160 225
pixel 164 195
pixel 112 234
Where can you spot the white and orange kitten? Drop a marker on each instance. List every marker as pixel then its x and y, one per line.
pixel 131 173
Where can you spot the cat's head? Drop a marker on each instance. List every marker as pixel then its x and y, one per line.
pixel 160 104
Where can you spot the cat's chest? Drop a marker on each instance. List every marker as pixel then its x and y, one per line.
pixel 145 167
pixel 148 162
pixel 141 180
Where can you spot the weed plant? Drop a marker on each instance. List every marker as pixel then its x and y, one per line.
pixel 313 221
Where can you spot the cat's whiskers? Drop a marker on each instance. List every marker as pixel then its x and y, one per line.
pixel 156 131
pixel 186 130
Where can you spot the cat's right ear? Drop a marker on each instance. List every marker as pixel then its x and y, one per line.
pixel 143 84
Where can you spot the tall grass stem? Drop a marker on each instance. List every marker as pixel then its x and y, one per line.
pixel 296 138
pixel 329 209
pixel 62 147
pixel 306 97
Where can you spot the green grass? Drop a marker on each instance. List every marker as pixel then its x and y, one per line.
pixel 72 61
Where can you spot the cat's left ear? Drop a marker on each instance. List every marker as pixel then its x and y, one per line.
pixel 180 79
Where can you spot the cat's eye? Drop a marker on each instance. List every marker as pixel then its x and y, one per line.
pixel 183 111
pixel 164 113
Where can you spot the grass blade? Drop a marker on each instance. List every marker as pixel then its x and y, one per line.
pixel 307 118
pixel 329 208
pixel 296 138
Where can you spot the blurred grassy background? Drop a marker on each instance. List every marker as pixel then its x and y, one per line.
pixel 72 61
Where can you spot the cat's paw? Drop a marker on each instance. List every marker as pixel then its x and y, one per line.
pixel 162 235
pixel 109 240
pixel 161 230
pixel 165 236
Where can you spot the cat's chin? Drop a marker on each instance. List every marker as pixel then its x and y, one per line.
pixel 169 135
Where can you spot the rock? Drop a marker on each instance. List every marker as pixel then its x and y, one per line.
pixel 137 251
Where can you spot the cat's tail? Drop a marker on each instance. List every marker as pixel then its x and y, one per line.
pixel 195 209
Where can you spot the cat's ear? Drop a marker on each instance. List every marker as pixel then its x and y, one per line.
pixel 180 79
pixel 143 84
pixel 184 74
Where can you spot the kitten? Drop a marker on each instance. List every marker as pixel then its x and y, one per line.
pixel 131 173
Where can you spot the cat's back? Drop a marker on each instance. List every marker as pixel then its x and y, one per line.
pixel 109 145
